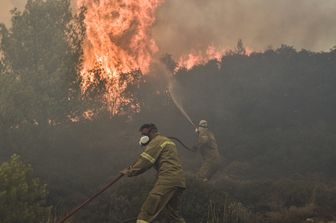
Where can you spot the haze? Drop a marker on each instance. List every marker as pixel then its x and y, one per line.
pixel 194 24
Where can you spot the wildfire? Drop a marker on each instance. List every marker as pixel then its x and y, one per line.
pixel 118 42
pixel 248 51
pixel 196 58
pixel 119 45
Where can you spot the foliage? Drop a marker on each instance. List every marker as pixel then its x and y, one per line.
pixel 205 203
pixel 41 81
pixel 201 203
pixel 233 212
pixel 22 197
pixel 272 113
pixel 272 110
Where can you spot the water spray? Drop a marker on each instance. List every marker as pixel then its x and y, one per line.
pixel 178 104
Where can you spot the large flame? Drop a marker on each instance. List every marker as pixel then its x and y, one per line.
pixel 118 42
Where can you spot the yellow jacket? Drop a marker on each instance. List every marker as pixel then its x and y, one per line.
pixel 207 145
pixel 160 153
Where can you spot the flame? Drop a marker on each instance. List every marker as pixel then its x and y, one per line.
pixel 248 51
pixel 118 42
pixel 88 114
pixel 198 57
pixel 119 46
pixel 195 58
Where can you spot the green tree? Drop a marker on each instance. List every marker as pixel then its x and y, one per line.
pixel 40 52
pixel 39 59
pixel 22 197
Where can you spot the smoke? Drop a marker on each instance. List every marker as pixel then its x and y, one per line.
pixel 6 6
pixel 195 24
pixel 162 72
pixel 189 24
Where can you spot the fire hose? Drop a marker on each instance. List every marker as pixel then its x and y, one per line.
pixel 179 141
pixel 75 210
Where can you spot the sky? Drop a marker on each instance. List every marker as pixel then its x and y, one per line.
pixel 183 25
pixel 309 24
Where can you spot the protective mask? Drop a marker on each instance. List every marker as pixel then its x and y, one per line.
pixel 144 140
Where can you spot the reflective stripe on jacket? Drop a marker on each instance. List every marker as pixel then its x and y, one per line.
pixel 160 153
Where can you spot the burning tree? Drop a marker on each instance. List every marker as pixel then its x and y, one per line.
pixel 118 46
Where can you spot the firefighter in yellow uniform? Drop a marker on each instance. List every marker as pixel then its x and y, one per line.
pixel 160 153
pixel 208 149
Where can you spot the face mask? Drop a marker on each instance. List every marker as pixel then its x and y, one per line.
pixel 144 140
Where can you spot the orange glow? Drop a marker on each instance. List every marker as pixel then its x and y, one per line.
pixel 199 57
pixel 119 46
pixel 248 51
pixel 118 42
pixel 88 115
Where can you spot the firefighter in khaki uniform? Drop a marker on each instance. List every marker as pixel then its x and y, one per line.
pixel 208 149
pixel 160 153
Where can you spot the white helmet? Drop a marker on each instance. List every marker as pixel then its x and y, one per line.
pixel 203 124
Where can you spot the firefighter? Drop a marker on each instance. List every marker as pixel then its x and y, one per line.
pixel 160 153
pixel 208 149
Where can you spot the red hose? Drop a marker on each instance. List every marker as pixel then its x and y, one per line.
pixel 75 210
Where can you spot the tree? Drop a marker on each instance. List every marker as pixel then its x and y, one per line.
pixel 41 54
pixel 39 57
pixel 240 48
pixel 22 197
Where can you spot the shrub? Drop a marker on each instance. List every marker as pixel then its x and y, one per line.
pixel 22 197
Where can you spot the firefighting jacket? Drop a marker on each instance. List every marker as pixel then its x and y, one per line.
pixel 207 146
pixel 160 153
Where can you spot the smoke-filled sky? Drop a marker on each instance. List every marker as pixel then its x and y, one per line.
pixel 187 24
pixel 307 24
pixel 6 6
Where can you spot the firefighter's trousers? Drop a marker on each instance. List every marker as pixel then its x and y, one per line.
pixel 208 169
pixel 162 198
